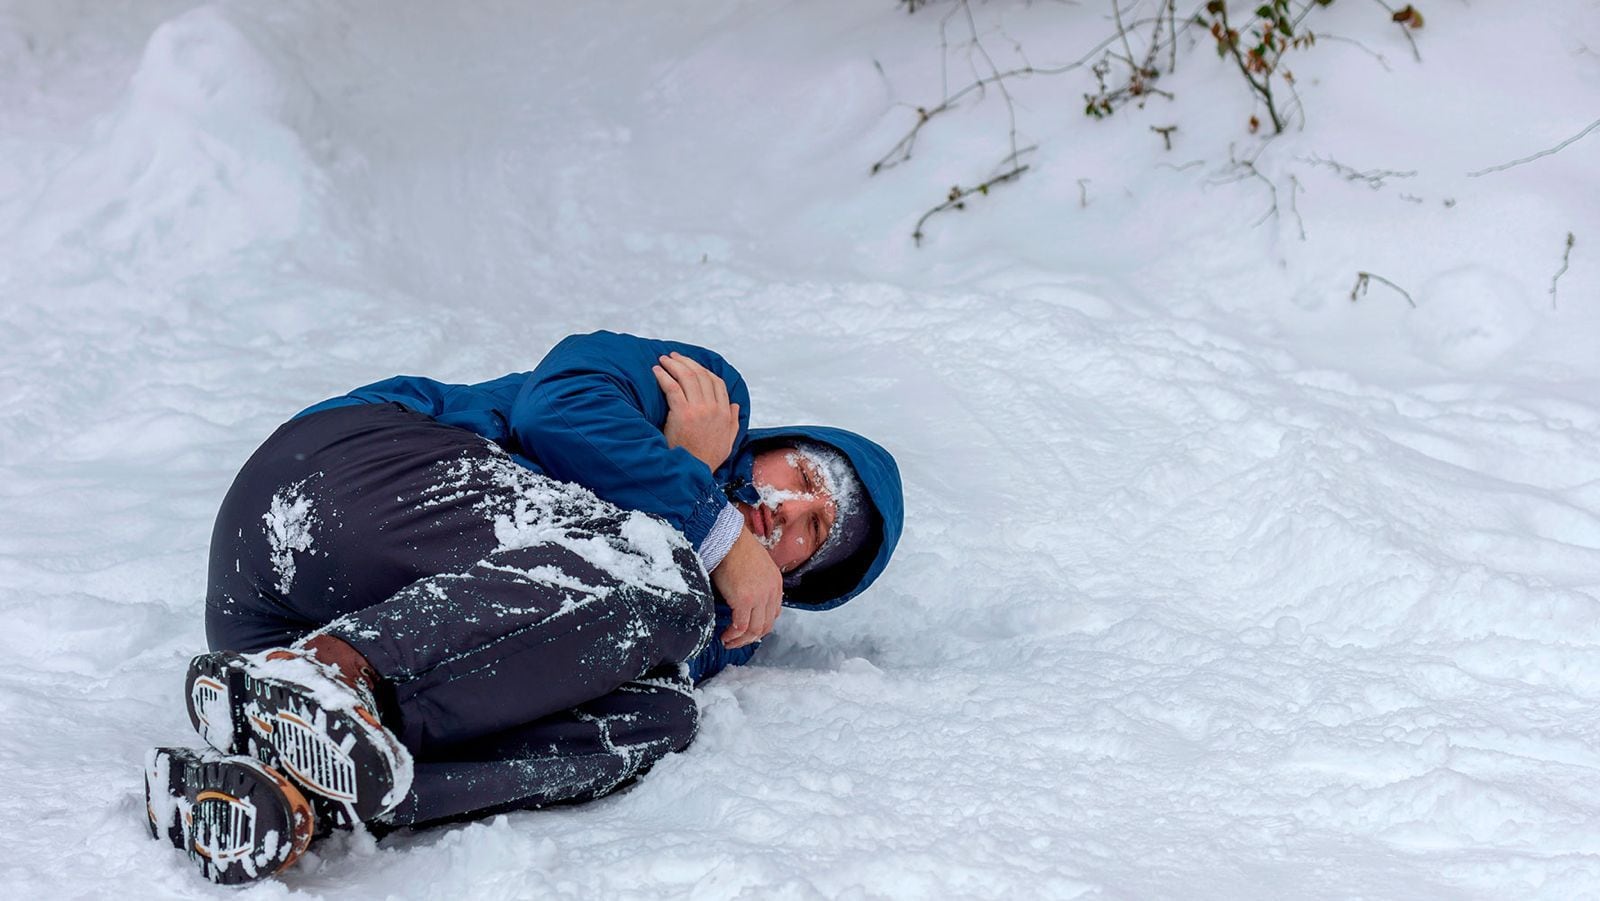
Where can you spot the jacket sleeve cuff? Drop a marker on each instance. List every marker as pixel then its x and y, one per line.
pixel 704 516
pixel 724 532
pixel 713 658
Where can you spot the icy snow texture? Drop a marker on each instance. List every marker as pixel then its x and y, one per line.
pixel 1215 584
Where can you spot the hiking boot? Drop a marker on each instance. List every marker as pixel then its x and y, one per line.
pixel 306 719
pixel 237 818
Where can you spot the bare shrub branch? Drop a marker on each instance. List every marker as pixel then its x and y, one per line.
pixel 1566 257
pixel 1294 205
pixel 901 151
pixel 957 199
pixel 1340 39
pixel 1408 20
pixel 1360 289
pixel 1243 169
pixel 1373 178
pixel 1543 153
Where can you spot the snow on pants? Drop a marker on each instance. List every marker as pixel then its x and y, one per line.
pixel 530 636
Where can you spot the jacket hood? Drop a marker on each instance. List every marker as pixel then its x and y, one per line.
pixel 880 478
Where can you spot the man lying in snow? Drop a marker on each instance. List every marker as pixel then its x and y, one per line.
pixel 433 601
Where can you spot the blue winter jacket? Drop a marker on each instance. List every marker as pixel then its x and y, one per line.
pixel 592 413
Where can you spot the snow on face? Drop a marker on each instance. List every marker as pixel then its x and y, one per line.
pixel 795 509
pixel 838 478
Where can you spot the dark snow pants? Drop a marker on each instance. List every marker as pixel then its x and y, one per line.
pixel 530 636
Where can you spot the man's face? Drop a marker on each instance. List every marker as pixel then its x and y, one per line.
pixel 795 512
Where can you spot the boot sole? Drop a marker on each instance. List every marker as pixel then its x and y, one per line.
pixel 236 819
pixel 343 755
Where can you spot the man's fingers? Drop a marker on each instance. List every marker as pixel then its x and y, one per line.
pixel 757 622
pixel 740 626
pixel 762 616
pixel 716 388
pixel 678 375
pixel 669 386
pixel 691 376
pixel 771 617
pixel 708 386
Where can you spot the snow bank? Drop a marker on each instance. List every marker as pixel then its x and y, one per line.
pixel 204 158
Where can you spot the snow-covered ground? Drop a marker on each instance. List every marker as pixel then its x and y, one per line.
pixel 1215 584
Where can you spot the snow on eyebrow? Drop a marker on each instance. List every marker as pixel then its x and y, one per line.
pixel 838 478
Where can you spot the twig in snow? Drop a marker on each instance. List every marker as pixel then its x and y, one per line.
pixel 1272 212
pixel 1122 32
pixel 956 200
pixel 1141 75
pixel 990 75
pixel 1249 170
pixel 1172 29
pixel 1340 39
pixel 1543 153
pixel 1566 257
pixel 1373 177
pixel 1360 288
pixel 994 72
pixel 1165 131
pixel 1249 64
pixel 901 151
pixel 1270 32
pixel 1294 206
pixel 1408 19
pixel 1083 193
pixel 1299 105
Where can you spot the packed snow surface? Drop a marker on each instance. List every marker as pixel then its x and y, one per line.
pixel 1214 584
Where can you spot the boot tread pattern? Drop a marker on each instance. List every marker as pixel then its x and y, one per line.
pixel 234 817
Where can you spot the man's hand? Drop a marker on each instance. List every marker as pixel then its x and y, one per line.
pixel 699 418
pixel 752 585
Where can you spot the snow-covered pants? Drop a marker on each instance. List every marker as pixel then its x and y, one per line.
pixel 530 636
